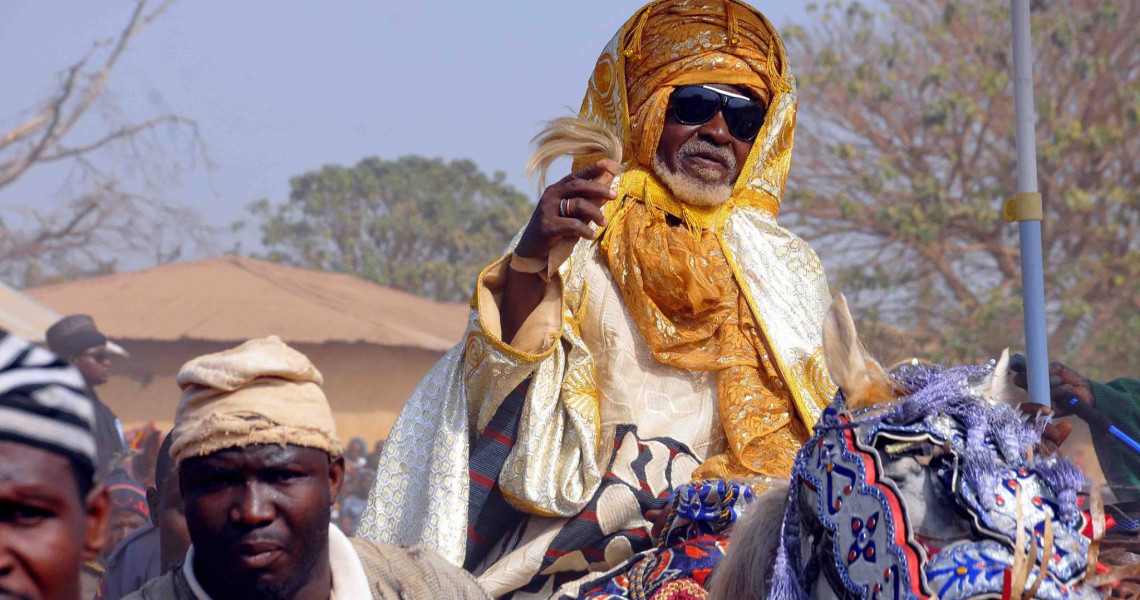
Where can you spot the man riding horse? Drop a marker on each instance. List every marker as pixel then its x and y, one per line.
pixel 652 326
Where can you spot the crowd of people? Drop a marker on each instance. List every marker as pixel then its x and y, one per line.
pixel 143 498
pixel 243 497
pixel 359 473
pixel 653 335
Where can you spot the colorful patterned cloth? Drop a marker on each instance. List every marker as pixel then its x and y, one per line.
pixel 675 573
pixel 936 494
pixel 584 540
pixel 694 542
pixel 704 507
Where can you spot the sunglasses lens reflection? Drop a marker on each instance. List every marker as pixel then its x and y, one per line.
pixel 743 119
pixel 695 105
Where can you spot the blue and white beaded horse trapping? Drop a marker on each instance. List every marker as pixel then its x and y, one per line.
pixel 703 507
pixel 956 453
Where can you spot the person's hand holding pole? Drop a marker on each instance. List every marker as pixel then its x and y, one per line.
pixel 1071 394
pixel 1065 384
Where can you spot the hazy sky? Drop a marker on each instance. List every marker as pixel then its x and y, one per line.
pixel 284 86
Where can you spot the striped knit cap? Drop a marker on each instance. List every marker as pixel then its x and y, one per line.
pixel 43 402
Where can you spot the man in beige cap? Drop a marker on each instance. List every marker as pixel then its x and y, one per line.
pixel 260 466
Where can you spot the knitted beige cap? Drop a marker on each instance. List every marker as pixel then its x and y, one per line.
pixel 262 392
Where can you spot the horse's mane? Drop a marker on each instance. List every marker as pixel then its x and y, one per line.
pixel 995 433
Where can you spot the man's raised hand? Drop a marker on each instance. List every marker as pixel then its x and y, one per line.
pixel 567 208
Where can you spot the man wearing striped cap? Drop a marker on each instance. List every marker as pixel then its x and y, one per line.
pixel 52 515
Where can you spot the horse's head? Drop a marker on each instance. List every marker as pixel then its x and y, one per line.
pixel 917 483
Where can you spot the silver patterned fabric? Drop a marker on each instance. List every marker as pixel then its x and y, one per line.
pixel 788 292
pixel 420 493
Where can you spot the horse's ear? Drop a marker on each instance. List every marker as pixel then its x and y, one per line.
pixel 841 346
pixel 999 388
pixel 862 379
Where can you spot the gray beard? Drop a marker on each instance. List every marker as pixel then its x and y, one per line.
pixel 691 190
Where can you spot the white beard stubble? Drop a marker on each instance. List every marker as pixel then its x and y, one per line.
pixel 706 189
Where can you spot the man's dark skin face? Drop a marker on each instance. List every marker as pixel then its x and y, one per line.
pixel 356 449
pixel 167 512
pixel 46 528
pixel 123 522
pixel 675 134
pixel 258 518
pixel 94 364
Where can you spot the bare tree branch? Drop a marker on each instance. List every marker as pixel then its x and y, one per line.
pixel 101 219
pixel 62 152
pixel 59 124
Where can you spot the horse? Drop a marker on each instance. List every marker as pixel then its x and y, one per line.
pixel 921 482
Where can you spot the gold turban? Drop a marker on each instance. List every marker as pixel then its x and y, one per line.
pixel 694 42
pixel 262 392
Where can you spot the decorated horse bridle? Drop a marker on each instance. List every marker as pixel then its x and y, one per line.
pixel 978 460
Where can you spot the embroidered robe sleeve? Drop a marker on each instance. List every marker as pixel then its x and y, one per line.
pixel 553 468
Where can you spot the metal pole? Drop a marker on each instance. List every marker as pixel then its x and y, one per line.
pixel 1032 268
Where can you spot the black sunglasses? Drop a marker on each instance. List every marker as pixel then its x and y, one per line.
pixel 696 104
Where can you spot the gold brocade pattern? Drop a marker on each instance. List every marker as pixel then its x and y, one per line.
pixel 785 285
pixel 813 371
pixel 680 291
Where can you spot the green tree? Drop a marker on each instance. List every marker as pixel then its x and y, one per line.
pixel 905 155
pixel 421 225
